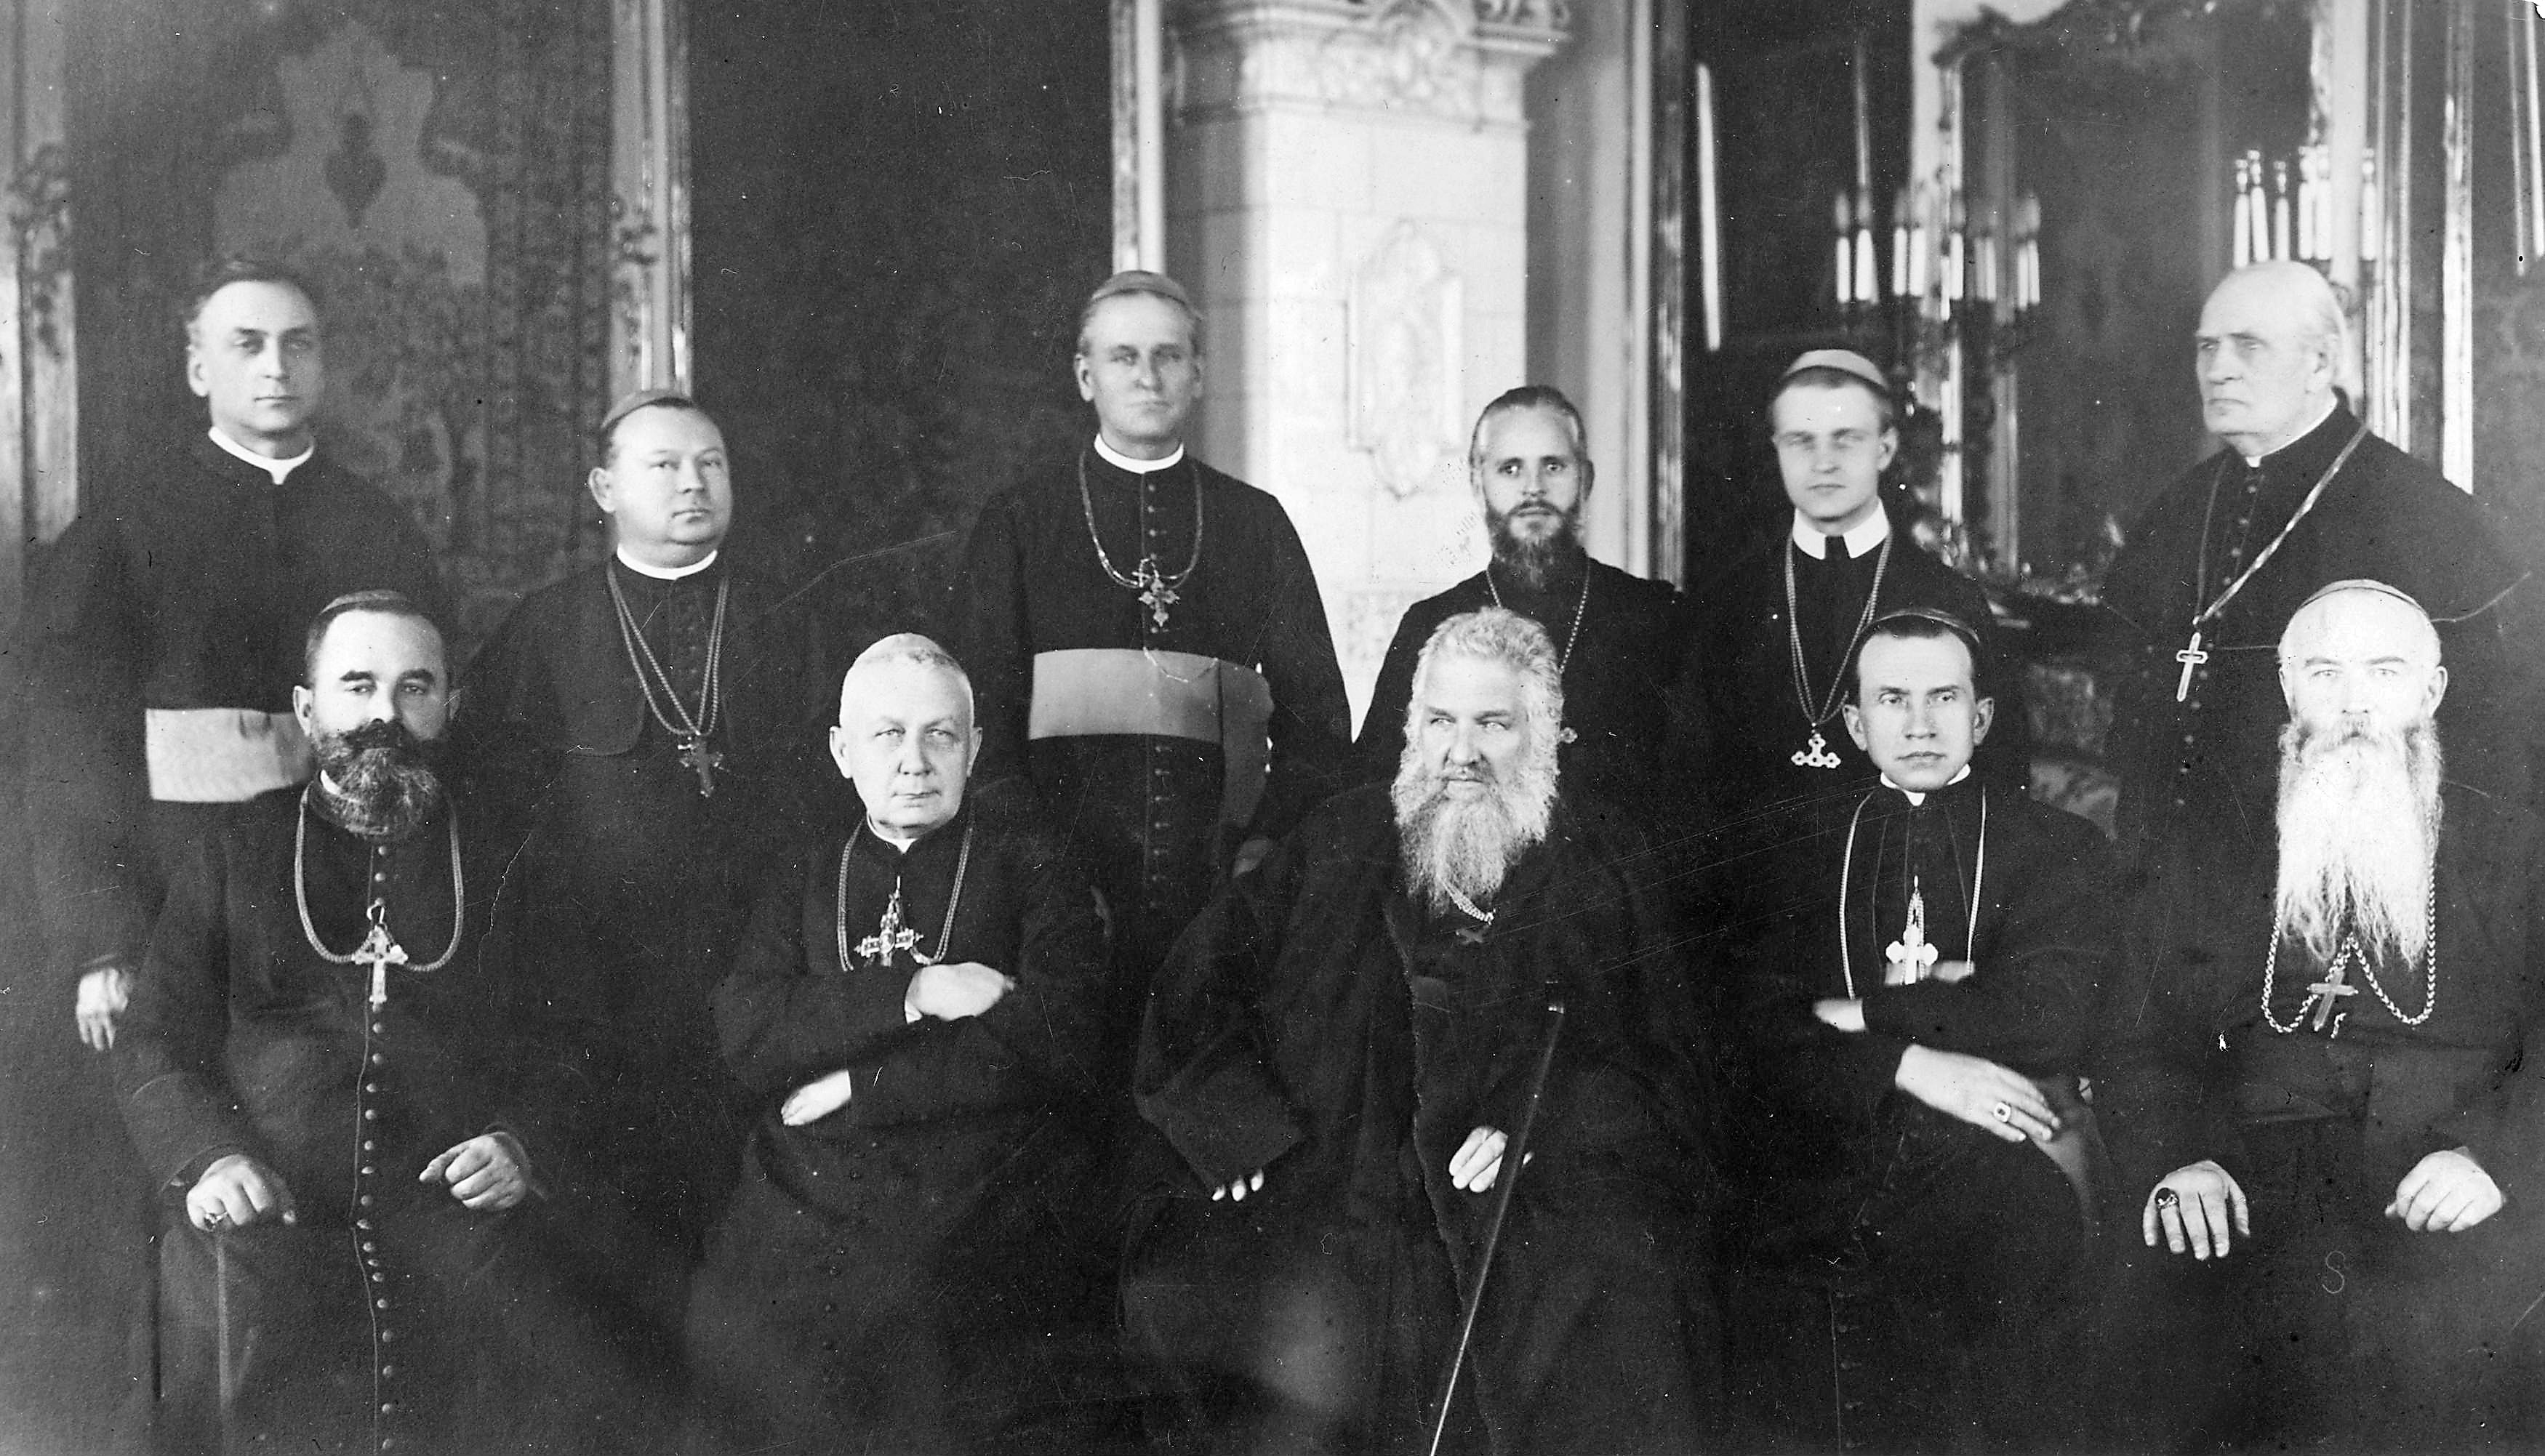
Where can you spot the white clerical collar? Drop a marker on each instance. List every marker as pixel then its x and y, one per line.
pixel 278 469
pixel 2330 405
pixel 665 573
pixel 1919 796
pixel 1122 461
pixel 1862 538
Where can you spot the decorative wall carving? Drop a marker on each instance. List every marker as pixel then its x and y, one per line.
pixel 1407 390
pixel 1461 60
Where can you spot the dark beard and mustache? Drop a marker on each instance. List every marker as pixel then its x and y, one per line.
pixel 1469 845
pixel 1534 561
pixel 2358 820
pixel 377 781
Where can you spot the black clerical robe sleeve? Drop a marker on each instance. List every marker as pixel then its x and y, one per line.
pixel 2505 1127
pixel 88 795
pixel 1311 727
pixel 170 1070
pixel 1204 1076
pixel 1799 1067
pixel 2028 1003
pixel 1382 744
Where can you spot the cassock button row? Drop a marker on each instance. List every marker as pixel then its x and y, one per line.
pixel 377 1057
pixel 389 1372
pixel 371 1114
pixel 365 1201
pixel 362 1223
pixel 366 1169
pixel 381 1303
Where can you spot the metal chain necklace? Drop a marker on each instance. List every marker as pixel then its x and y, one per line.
pixel 1157 589
pixel 2193 655
pixel 890 934
pixel 1846 874
pixel 1581 604
pixel 1458 898
pixel 690 731
pixel 2335 985
pixel 379 950
pixel 1816 754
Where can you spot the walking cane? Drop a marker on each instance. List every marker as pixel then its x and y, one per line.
pixel 1515 1156
pixel 221 1340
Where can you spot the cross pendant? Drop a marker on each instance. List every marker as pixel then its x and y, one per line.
pixel 703 761
pixel 1155 592
pixel 2334 985
pixel 2192 657
pixel 1909 955
pixel 380 952
pixel 890 934
pixel 1814 755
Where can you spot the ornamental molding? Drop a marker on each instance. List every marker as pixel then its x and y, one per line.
pixel 1460 60
pixel 1405 385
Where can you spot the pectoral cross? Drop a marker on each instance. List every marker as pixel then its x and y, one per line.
pixel 703 761
pixel 2327 991
pixel 380 952
pixel 890 934
pixel 1814 755
pixel 1909 955
pixel 1156 593
pixel 2192 657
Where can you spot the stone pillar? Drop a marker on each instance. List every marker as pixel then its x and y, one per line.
pixel 649 134
pixel 1347 197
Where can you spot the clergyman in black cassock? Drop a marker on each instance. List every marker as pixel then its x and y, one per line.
pixel 329 1128
pixel 1148 642
pixel 1914 995
pixel 2330 1128
pixel 1621 640
pixel 1334 1060
pixel 1777 626
pixel 915 1258
pixel 641 739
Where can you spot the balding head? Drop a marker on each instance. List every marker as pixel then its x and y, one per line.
pixel 2269 351
pixel 905 736
pixel 2362 655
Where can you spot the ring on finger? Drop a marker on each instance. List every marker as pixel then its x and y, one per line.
pixel 2167 1198
pixel 217 1217
pixel 2002 1112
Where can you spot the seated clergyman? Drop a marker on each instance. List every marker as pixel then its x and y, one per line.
pixel 307 1067
pixel 908 1264
pixel 1336 1060
pixel 2332 1087
pixel 1915 1006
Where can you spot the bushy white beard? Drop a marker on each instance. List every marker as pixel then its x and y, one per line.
pixel 1469 845
pixel 2358 816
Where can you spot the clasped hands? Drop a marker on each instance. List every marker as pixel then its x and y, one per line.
pixel 2446 1193
pixel 486 1174
pixel 946 990
pixel 1472 1169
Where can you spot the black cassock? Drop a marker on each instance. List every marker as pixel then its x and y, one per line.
pixel 922 1268
pixel 1618 678
pixel 358 1327
pixel 2333 1322
pixel 1754 717
pixel 1148 743
pixel 2200 777
pixel 1316 1024
pixel 1902 1277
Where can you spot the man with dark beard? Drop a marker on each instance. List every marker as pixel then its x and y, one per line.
pixel 1621 639
pixel 1333 1062
pixel 306 1068
pixel 2335 1104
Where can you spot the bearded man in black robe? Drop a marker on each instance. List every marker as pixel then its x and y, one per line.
pixel 1144 630
pixel 1621 639
pixel 910 1263
pixel 640 739
pixel 1335 1062
pixel 310 1070
pixel 1911 1149
pixel 2337 1104
pixel 2194 607
pixel 1776 627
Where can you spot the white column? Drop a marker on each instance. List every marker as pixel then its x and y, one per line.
pixel 1348 199
pixel 649 321
pixel 39 361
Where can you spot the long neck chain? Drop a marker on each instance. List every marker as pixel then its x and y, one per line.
pixel 1458 898
pixel 2351 951
pixel 676 719
pixel 945 931
pixel 1157 589
pixel 1827 704
pixel 2209 612
pixel 1581 604
pixel 378 911
pixel 1847 868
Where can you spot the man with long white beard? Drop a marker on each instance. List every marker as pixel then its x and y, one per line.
pixel 1335 1061
pixel 2334 1108
pixel 310 1067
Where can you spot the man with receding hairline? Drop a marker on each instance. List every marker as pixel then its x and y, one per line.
pixel 909 1263
pixel 2332 1115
